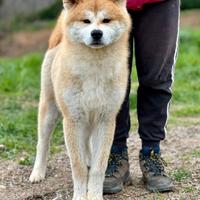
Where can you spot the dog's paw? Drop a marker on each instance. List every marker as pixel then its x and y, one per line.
pixel 79 198
pixel 36 176
pixel 94 197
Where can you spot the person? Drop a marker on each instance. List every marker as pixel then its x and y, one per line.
pixel 155 33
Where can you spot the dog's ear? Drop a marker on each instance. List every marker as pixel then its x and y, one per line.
pixel 67 4
pixel 121 2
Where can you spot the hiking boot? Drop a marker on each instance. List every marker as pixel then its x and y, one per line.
pixel 117 173
pixel 154 176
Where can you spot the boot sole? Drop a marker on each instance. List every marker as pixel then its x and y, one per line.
pixel 161 188
pixel 118 188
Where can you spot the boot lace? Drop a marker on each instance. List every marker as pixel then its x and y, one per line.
pixel 114 162
pixel 155 163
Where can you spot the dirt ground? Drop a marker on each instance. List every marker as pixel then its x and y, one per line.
pixel 20 43
pixel 177 150
pixel 16 44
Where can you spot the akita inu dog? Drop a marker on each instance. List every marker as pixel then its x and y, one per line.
pixel 84 75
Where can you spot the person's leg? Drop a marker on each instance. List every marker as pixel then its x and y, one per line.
pixel 156 40
pixel 156 33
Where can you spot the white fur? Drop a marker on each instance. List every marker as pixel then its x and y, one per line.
pixel 93 107
pixel 96 75
pixel 81 33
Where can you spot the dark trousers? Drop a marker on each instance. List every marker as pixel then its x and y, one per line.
pixel 155 35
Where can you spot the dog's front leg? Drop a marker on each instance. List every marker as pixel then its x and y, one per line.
pixel 75 146
pixel 47 116
pixel 102 141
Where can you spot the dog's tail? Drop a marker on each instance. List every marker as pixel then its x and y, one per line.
pixel 56 35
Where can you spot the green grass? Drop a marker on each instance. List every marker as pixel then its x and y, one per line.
pixel 181 174
pixel 189 189
pixel 196 153
pixel 187 83
pixel 19 95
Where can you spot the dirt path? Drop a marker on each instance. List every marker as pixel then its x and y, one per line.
pixel 23 42
pixel 179 151
pixel 190 19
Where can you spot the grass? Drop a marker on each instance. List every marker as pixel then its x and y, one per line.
pixel 187 85
pixel 19 95
pixel 189 189
pixel 180 174
pixel 196 153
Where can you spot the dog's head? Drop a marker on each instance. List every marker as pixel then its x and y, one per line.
pixel 95 23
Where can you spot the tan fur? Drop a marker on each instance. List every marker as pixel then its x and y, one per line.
pixel 88 86
pixel 56 36
pixel 77 14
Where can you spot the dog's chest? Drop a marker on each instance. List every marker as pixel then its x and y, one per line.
pixel 96 94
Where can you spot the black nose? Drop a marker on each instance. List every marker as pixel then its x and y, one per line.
pixel 97 34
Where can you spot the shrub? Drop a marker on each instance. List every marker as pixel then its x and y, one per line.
pixel 52 11
pixel 48 13
pixel 190 4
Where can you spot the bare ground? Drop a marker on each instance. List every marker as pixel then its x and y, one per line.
pixel 177 150
pixel 190 19
pixel 20 43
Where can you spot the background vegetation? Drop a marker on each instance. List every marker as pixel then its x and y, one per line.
pixel 190 4
pixel 54 10
pixel 47 16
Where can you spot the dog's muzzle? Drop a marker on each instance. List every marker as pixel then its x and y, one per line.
pixel 96 37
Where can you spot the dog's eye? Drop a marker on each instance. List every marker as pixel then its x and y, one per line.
pixel 86 21
pixel 106 21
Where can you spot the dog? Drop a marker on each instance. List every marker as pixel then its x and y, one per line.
pixel 84 76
